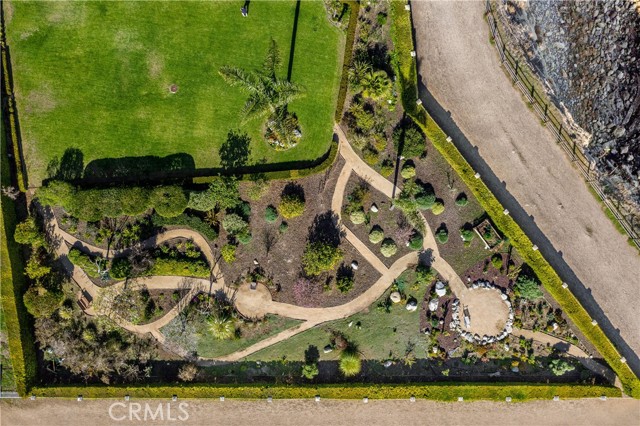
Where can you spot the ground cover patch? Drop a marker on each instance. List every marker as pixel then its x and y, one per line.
pixel 97 76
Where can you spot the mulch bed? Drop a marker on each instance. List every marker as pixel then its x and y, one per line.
pixel 387 219
pixel 282 263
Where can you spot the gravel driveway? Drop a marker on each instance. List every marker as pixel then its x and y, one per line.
pixel 473 100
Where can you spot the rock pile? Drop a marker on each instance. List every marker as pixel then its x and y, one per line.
pixel 476 338
pixel 588 54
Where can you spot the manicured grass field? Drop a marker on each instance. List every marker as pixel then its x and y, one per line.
pixel 96 76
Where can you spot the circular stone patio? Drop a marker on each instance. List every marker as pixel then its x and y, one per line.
pixel 252 303
pixel 487 311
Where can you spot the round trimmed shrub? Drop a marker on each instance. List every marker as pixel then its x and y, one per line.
pixel 270 214
pixel 466 234
pixel 357 217
pixel 388 247
pixel 386 168
pixel 425 200
pixel 461 200
pixel 291 205
pixel 438 208
pixel 283 227
pixel 442 235
pixel 415 243
pixel 320 257
pixel 244 236
pixel 168 201
pixel 376 235
pixel 496 261
pixel 408 171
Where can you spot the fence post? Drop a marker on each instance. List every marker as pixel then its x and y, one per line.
pixel 515 74
pixel 533 90
pixel 560 132
pixel 546 109
pixel 504 48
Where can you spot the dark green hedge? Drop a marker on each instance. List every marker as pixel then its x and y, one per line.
pixel 18 321
pixel 354 9
pixel 13 131
pixel 434 391
pixel 547 275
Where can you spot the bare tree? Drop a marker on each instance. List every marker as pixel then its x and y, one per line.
pixel 10 192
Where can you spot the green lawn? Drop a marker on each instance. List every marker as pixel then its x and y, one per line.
pixel 95 76
pixel 381 336
pixel 210 347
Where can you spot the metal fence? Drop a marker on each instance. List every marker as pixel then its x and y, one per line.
pixel 542 107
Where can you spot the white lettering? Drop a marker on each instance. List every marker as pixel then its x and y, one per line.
pixel 159 412
pixel 183 407
pixel 119 404
pixel 169 413
pixel 136 411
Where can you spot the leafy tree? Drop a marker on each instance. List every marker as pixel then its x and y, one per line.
pixel 388 247
pixel 35 269
pixel 291 205
pixel 224 192
pixel 234 224
pixel 350 362
pixel 27 233
pixel 560 366
pixel 57 193
pixel 309 371
pixel 319 257
pixel 120 268
pixel 41 302
pixel 168 201
pixel 528 287
pixel 425 198
pixel 406 199
pixel 408 137
pixel 496 260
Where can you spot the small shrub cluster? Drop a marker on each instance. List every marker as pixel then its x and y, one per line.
pixel 291 205
pixel 270 214
pixel 228 252
pixel 388 247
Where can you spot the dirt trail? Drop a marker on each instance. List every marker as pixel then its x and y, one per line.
pixel 52 412
pixel 472 98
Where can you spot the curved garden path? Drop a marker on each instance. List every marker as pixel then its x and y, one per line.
pixel 258 302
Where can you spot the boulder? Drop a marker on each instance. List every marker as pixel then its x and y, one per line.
pixel 354 265
pixel 440 289
pixel 395 297
pixel 374 208
pixel 412 305
pixel 328 349
pixel 433 305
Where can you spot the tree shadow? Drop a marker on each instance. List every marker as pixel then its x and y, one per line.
pixel 133 169
pixel 235 151
pixel 344 270
pixel 69 168
pixel 325 229
pixel 311 355
pixel 293 189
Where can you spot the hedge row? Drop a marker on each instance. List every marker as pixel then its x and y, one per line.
pixel 354 10
pixel 193 222
pixel 21 178
pixel 547 275
pixel 404 63
pixel 434 391
pixel 13 284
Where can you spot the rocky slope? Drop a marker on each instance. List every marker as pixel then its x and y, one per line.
pixel 588 54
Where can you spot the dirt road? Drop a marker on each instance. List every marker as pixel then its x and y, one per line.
pixel 473 100
pixel 619 412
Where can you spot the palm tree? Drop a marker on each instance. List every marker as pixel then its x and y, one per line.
pixel 268 94
pixel 375 84
pixel 222 327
